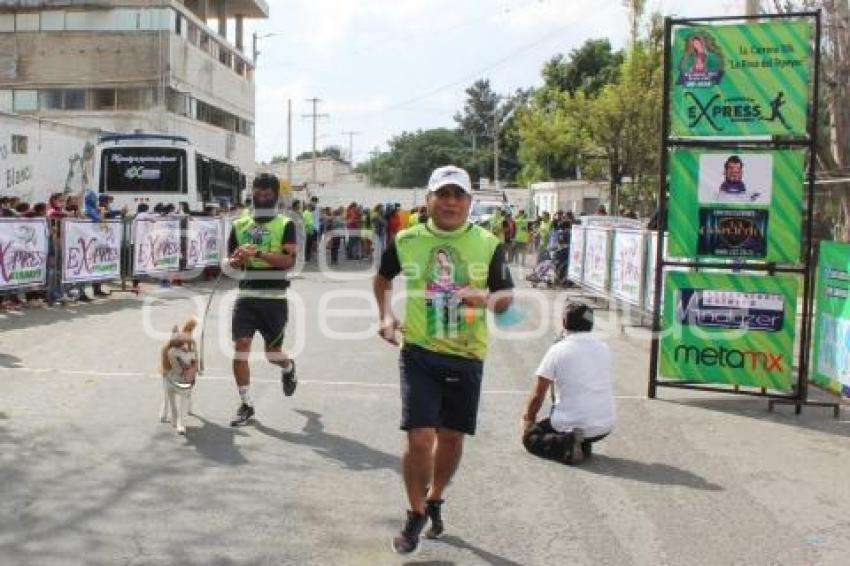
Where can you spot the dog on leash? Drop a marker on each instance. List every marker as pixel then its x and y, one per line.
pixel 179 368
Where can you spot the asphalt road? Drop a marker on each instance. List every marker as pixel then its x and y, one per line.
pixel 88 474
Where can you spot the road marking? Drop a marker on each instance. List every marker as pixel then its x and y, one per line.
pixel 364 384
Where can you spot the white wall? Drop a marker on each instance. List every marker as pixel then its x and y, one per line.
pixel 56 159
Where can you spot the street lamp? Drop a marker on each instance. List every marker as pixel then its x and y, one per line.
pixel 257 37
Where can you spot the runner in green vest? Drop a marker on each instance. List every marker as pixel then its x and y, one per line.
pixel 262 247
pixel 454 272
pixel 522 236
pixel 309 230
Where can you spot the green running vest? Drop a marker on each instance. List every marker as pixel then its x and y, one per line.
pixel 437 265
pixel 268 237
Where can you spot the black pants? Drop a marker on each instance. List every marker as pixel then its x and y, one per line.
pixel 335 243
pixel 544 441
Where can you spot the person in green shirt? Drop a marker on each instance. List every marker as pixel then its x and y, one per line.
pixel 522 237
pixel 454 271
pixel 308 216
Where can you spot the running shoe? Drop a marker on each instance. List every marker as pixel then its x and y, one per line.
pixel 407 541
pixel 432 509
pixel 243 414
pixel 288 379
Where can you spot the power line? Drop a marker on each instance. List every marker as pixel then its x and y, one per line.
pixel 315 116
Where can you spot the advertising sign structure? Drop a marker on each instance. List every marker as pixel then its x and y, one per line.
pixel 575 268
pixel 832 324
pixel 156 246
pixel 627 277
pixel 23 252
pixel 204 242
pixel 91 251
pixel 741 205
pixel 597 251
pixel 729 329
pixel 741 80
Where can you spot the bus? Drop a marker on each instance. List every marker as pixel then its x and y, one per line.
pixel 157 168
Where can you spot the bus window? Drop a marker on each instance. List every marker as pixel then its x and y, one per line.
pixel 143 170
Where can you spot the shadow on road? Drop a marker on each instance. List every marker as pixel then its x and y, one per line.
pixel 9 361
pixel 352 454
pixel 484 555
pixel 215 442
pixel 813 418
pixel 657 473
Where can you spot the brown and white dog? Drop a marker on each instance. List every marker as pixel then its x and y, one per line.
pixel 179 368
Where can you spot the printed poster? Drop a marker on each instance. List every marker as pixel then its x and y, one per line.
pixel 91 251
pixel 596 256
pixel 626 273
pixel 575 268
pixel 831 359
pixel 736 205
pixel 156 246
pixel 23 252
pixel 741 80
pixel 730 329
pixel 204 242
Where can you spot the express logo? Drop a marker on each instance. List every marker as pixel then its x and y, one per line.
pixel 728 358
pixel 734 310
pixel 715 110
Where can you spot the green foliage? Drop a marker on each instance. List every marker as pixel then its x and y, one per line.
pixel 586 69
pixel 332 151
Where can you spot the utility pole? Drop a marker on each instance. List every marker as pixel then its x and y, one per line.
pixel 496 146
pixel 351 146
pixel 753 7
pixel 372 154
pixel 315 116
pixel 289 142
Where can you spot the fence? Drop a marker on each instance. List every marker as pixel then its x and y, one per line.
pixel 42 254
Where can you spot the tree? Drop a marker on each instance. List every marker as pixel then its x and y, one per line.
pixel 332 151
pixel 587 69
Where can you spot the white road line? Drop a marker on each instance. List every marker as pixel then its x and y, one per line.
pixel 326 383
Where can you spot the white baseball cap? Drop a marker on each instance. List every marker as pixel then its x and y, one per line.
pixel 449 175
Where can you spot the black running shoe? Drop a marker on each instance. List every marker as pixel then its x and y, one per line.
pixel 288 379
pixel 587 449
pixel 243 414
pixel 407 541
pixel 432 509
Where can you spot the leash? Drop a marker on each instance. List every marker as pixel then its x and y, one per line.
pixel 218 281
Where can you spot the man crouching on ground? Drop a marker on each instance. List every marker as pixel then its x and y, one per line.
pixel 579 370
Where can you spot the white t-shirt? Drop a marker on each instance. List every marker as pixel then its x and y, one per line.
pixel 581 370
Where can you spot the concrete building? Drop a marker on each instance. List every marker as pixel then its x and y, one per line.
pixel 124 66
pixel 581 197
pixel 329 172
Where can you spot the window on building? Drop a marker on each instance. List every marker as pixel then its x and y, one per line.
pixel 19 144
pixel 193 33
pixel 7 22
pixel 178 24
pixel 25 100
pixel 6 104
pixel 178 103
pixel 53 20
pixel 129 99
pixel 103 99
pixel 50 99
pixel 74 99
pixel 26 22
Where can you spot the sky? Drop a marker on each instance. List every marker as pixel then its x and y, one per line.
pixel 382 67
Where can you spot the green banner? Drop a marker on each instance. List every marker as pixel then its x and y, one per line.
pixel 741 80
pixel 736 205
pixel 731 329
pixel 832 324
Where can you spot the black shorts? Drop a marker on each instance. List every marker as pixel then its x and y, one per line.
pixel 439 390
pixel 266 316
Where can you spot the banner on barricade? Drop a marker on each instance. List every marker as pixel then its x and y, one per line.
pixel 832 323
pixel 91 251
pixel 741 80
pixel 23 252
pixel 597 250
pixel 736 205
pixel 156 246
pixel 204 242
pixel 575 267
pixel 626 269
pixel 730 329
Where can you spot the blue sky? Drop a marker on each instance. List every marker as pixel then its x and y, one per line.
pixel 382 67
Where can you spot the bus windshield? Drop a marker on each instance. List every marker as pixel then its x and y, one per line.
pixel 143 170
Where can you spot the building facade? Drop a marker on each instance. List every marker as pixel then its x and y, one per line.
pixel 125 66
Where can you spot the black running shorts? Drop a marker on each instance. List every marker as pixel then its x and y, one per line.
pixel 266 316
pixel 439 390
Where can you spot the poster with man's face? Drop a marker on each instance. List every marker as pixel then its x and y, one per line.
pixel 736 205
